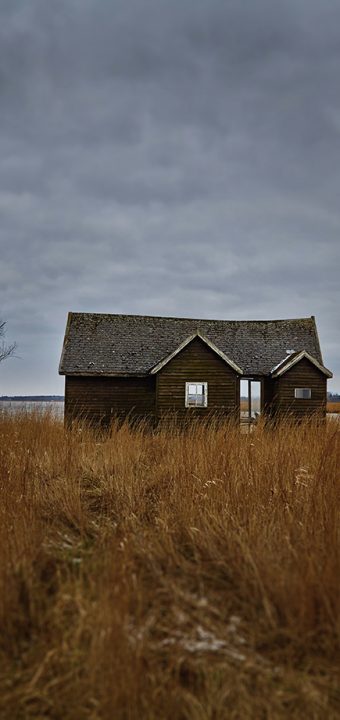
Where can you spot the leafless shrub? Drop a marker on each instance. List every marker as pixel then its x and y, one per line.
pixel 5 350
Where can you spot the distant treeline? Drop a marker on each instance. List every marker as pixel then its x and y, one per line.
pixel 32 398
pixel 333 397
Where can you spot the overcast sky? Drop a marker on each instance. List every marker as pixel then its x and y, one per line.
pixel 166 157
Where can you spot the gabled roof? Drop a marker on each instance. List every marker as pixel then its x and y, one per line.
pixel 100 344
pixel 292 358
pixel 186 342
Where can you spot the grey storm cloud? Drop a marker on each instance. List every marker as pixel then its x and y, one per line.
pixel 166 157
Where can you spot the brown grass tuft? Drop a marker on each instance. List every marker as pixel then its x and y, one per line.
pixel 177 574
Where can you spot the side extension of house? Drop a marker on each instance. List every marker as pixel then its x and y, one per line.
pixel 297 388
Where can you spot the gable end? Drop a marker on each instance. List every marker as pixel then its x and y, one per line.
pixel 289 362
pixel 186 342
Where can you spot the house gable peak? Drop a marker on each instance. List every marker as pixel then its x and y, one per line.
pixel 292 358
pixel 186 342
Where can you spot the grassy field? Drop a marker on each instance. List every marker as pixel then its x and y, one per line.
pixel 333 407
pixel 180 575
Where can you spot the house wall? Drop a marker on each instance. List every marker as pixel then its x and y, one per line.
pixel 99 399
pixel 269 395
pixel 304 375
pixel 197 362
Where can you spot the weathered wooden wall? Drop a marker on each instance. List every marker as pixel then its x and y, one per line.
pixel 269 393
pixel 197 363
pixel 302 375
pixel 99 399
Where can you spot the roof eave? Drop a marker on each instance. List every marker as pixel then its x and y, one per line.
pixel 318 339
pixel 68 323
pixel 102 373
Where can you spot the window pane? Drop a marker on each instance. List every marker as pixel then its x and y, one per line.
pixel 303 393
pixel 196 394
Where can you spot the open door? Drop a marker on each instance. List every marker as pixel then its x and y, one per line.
pixel 251 400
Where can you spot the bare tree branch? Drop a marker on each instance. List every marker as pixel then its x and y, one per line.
pixel 5 350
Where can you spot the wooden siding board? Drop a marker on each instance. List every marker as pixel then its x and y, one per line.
pixel 269 395
pixel 99 399
pixel 197 363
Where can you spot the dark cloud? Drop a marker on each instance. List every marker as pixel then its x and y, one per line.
pixel 165 157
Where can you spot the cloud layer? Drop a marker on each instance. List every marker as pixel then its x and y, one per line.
pixel 162 157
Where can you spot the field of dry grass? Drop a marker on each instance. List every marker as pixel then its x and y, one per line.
pixel 176 575
pixel 333 407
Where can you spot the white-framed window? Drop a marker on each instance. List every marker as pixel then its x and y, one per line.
pixel 196 394
pixel 303 393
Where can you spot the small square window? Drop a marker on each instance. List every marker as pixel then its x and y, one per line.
pixel 196 394
pixel 303 393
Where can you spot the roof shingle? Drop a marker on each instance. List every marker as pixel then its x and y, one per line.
pixel 102 344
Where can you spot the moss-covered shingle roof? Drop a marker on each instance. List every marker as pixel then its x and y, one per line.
pixel 101 344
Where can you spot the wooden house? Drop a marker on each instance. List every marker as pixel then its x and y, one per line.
pixel 148 367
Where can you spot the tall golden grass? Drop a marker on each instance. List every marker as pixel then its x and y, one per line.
pixel 183 574
pixel 333 407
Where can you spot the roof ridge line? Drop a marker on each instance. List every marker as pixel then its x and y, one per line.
pixel 191 319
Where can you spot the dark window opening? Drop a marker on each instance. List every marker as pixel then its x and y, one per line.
pixel 303 393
